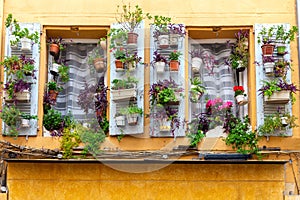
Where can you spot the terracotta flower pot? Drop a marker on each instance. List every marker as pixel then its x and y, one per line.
pixel 99 64
pixel 119 65
pixel 53 95
pixel 132 39
pixel 54 50
pixel 174 65
pixel 267 49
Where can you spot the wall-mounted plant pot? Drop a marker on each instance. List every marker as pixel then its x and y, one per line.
pixel 25 123
pixel 240 67
pixel 53 95
pixel 269 68
pixel 174 65
pixel 195 96
pixel 119 65
pixel 103 44
pixel 99 64
pixel 131 66
pixel 174 40
pixel 54 50
pixel 132 119
pixel 54 69
pixel 241 100
pixel 160 67
pixel 281 97
pixel 120 121
pixel 19 96
pixel 284 121
pixel 132 40
pixel 25 44
pixel 123 94
pixel 267 49
pixel 281 49
pixel 196 64
pixel 163 41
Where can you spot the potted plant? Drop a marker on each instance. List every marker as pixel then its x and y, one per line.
pixel 96 58
pixel 161 31
pixel 117 37
pixel 132 113
pixel 27 67
pixel 266 36
pixel 53 90
pixel 196 60
pixel 102 43
pixel 176 31
pixel 269 63
pixel 277 91
pixel 132 60
pixel 159 62
pixel 239 95
pixel 280 67
pixel 56 45
pixel 17 90
pixel 120 119
pixel 25 119
pixel 197 90
pixel 197 128
pixel 284 37
pixel 11 117
pixel 174 60
pixel 52 120
pixel 26 38
pixel 123 89
pixel 130 19
pixel 120 56
pixel 11 64
pixel 63 72
pixel 242 39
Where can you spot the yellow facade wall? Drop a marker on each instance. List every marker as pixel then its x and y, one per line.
pixel 176 181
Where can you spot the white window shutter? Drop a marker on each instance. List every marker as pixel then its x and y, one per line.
pixel 262 108
pixel 32 106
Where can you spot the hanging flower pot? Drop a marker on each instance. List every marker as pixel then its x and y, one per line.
pixel 241 100
pixel 269 68
pixel 163 41
pixel 25 44
pixel 120 120
pixel 196 64
pixel 53 95
pixel 284 121
pixel 132 39
pixel 174 65
pixel 119 65
pixel 131 66
pixel 282 96
pixel 123 94
pixel 54 69
pixel 54 50
pixel 25 123
pixel 103 44
pixel 174 40
pixel 281 49
pixel 195 96
pixel 23 96
pixel 160 67
pixel 132 119
pixel 240 67
pixel 99 64
pixel 165 125
pixel 267 49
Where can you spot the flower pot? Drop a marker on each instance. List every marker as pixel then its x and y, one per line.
pixel 99 64
pixel 23 96
pixel 163 41
pixel 132 39
pixel 54 69
pixel 195 96
pixel 267 49
pixel 53 95
pixel 54 50
pixel 119 65
pixel 25 44
pixel 174 65
pixel 160 67
pixel 132 119
pixel 269 68
pixel 165 125
pixel 131 66
pixel 281 97
pixel 196 64
pixel 103 44
pixel 284 121
pixel 280 71
pixel 120 121
pixel 281 49
pixel 25 123
pixel 241 100
pixel 123 94
pixel 174 40
pixel 240 67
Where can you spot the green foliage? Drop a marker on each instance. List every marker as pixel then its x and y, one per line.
pixel 132 109
pixel 69 140
pixel 166 95
pixel 197 89
pixel 117 37
pixel 124 83
pixel 286 36
pixel 28 116
pixel 174 55
pixel 240 136
pixel 52 85
pixel 11 117
pixel 265 35
pixel 52 120
pixel 63 72
pixel 161 23
pixel 195 138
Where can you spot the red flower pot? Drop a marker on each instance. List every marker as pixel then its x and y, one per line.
pixel 54 50
pixel 267 49
pixel 174 65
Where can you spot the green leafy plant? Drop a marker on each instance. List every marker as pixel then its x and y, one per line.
pixel 174 55
pixel 196 138
pixel 52 85
pixel 52 120
pixel 117 37
pixel 265 35
pixel 11 116
pixel 160 25
pixel 197 89
pixel 131 109
pixel 63 72
pixel 96 53
pixel 28 116
pixel 118 84
pixel 284 36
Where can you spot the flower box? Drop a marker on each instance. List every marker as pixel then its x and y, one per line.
pixel 25 123
pixel 120 121
pixel 132 119
pixel 282 97
pixel 20 96
pixel 123 94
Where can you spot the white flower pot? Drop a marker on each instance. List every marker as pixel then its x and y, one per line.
pixel 25 123
pixel 132 119
pixel 23 96
pixel 103 44
pixel 241 100
pixel 196 64
pixel 123 94
pixel 25 44
pixel 165 125
pixel 284 121
pixel 160 67
pixel 120 120
pixel 163 41
pixel 282 97
pixel 269 68
pixel 174 40
pixel 54 68
pixel 131 66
